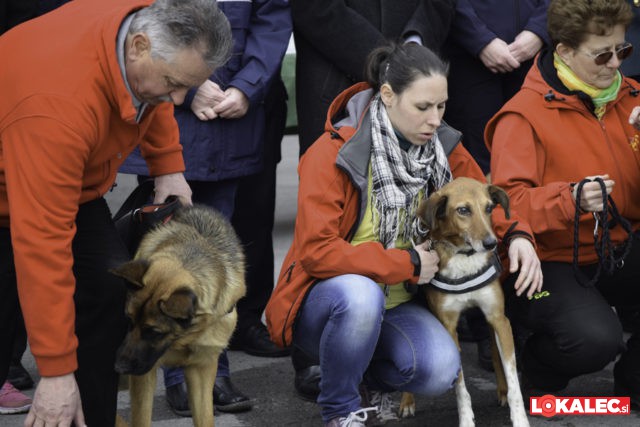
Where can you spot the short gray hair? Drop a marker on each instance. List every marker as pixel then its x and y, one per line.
pixel 173 25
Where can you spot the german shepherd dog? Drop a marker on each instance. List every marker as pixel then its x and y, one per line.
pixel 184 280
pixel 458 218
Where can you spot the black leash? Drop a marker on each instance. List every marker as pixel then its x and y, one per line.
pixel 607 259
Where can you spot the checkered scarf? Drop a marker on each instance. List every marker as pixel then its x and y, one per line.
pixel 398 176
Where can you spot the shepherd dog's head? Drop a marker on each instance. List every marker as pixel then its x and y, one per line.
pixel 161 307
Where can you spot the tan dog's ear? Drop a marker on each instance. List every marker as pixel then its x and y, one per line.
pixel 434 208
pixel 181 305
pixel 132 271
pixel 499 196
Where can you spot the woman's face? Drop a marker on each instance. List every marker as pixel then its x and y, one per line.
pixel 417 112
pixel 581 60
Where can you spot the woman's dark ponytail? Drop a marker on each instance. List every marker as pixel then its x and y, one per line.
pixel 400 64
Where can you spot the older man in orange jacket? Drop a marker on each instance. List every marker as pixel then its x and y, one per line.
pixel 81 87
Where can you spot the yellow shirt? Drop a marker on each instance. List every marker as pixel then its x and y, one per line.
pixel 396 293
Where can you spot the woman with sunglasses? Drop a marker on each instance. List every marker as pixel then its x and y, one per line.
pixel 566 148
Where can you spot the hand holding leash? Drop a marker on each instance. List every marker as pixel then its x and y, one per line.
pixel 173 184
pixel 523 257
pixel 428 262
pixel 56 402
pixel 591 195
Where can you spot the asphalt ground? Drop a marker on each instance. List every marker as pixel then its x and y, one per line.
pixel 269 381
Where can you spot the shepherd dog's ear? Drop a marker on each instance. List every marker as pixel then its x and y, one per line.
pixel 132 271
pixel 180 306
pixel 499 197
pixel 434 208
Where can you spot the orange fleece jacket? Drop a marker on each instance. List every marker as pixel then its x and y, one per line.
pixel 67 122
pixel 329 204
pixel 542 141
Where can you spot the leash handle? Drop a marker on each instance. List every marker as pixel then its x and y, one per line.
pixel 602 244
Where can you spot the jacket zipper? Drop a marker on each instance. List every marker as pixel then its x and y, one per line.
pixel 290 270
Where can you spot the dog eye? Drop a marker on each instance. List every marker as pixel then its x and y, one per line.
pixel 464 210
pixel 152 334
pixel 490 208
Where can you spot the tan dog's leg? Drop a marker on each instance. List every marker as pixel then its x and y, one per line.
pixel 407 405
pixel 501 382
pixel 120 422
pixel 449 320
pixel 141 388
pixel 200 380
pixel 504 338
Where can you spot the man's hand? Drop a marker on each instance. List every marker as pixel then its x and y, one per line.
pixel 428 262
pixel 525 46
pixel 206 98
pixel 591 197
pixel 56 403
pixel 497 57
pixel 523 257
pixel 234 106
pixel 173 184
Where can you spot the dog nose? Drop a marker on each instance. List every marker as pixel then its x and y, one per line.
pixel 490 243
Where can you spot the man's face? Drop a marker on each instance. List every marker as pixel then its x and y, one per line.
pixel 154 80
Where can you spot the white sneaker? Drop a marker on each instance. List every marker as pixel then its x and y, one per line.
pixel 354 419
pixel 387 410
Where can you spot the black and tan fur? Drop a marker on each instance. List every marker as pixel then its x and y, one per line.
pixel 458 218
pixel 185 280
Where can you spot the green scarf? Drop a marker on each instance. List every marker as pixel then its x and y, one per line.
pixel 599 97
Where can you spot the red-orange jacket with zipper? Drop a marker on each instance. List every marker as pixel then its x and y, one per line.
pixel 67 122
pixel 331 199
pixel 544 140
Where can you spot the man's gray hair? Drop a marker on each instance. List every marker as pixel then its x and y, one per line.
pixel 173 25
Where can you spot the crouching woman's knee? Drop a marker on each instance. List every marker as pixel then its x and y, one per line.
pixel 439 367
pixel 597 347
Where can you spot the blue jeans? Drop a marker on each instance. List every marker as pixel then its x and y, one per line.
pixel 344 326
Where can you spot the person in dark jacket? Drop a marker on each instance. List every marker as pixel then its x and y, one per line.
pixel 490 49
pixel 334 37
pixel 631 67
pixel 222 127
pixel 13 12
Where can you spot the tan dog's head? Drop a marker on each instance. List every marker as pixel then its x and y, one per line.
pixel 460 214
pixel 161 306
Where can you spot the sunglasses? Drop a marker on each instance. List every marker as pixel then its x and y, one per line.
pixel 602 58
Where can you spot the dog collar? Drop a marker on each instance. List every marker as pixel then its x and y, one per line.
pixel 469 283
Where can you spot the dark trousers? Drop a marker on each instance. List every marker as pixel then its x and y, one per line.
pixel 574 330
pixel 99 303
pixel 475 95
pixel 253 217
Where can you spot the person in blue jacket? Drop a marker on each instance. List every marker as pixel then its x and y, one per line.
pixel 490 48
pixel 222 125
pixel 631 66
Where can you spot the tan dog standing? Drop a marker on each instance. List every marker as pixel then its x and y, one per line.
pixel 458 218
pixel 185 280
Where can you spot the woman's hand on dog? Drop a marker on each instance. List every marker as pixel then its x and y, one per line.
pixel 428 262
pixel 523 257
pixel 56 402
